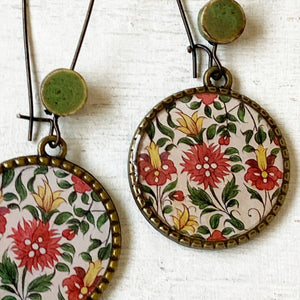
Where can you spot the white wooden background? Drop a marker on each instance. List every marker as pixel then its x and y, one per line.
pixel 135 55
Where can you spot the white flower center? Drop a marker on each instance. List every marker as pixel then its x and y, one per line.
pixel 198 166
pixel 27 242
pixel 206 166
pixel 214 165
pixel 31 254
pixel 35 246
pixel 40 239
pixel 207 173
pixel 165 167
pixel 42 250
pixel 206 158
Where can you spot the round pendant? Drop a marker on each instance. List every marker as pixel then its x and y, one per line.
pixel 208 167
pixel 59 230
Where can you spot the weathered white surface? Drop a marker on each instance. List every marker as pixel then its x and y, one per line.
pixel 134 56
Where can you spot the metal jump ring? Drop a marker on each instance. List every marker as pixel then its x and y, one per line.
pixel 50 140
pixel 209 74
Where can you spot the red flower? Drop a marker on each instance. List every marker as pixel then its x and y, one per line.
pixel 217 236
pixel 207 98
pixel 3 212
pixel 156 168
pixel 206 165
pixel 177 195
pixel 35 245
pixel 79 185
pixel 83 283
pixel 262 172
pixel 68 234
pixel 224 140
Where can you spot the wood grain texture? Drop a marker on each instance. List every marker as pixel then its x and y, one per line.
pixel 135 55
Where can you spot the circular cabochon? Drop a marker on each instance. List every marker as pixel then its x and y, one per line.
pixel 208 168
pixel 59 231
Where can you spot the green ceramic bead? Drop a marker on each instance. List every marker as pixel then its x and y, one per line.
pixel 63 92
pixel 221 21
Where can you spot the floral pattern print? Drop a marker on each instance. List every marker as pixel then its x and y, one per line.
pixel 56 236
pixel 210 166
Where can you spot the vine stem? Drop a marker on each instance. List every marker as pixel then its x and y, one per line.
pixel 23 281
pixel 255 126
pixel 216 198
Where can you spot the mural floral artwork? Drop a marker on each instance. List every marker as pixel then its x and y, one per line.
pixel 55 235
pixel 210 166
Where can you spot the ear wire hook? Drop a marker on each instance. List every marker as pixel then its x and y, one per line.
pixel 53 122
pixel 192 48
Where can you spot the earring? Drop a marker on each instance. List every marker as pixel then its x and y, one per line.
pixel 60 232
pixel 208 167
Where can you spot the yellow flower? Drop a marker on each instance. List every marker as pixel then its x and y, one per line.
pixel 153 151
pixel 184 220
pixel 46 199
pixel 90 276
pixel 261 157
pixel 190 125
pixel 1 196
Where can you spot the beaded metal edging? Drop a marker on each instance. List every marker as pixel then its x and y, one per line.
pixel 147 210
pixel 98 188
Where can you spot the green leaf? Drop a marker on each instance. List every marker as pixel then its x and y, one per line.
pixel 95 197
pixel 62 267
pixel 254 194
pixel 10 197
pixel 165 130
pixel 241 112
pixel 7 288
pixel 276 194
pixel 207 111
pixel 248 149
pixel 224 98
pixel 170 106
pixel 41 170
pixel 221 118
pixel 30 184
pixel 20 188
pixel 41 284
pixel 85 198
pixel 235 158
pixel 150 129
pixel 232 127
pixel 35 296
pixel 170 121
pixel 186 141
pixel 237 168
pixel 260 136
pixel 7 177
pixel 161 142
pixel 68 247
pixel 232 117
pixel 13 206
pixel 167 209
pixel 64 184
pixel 84 227
pixel 170 147
pixel 147 189
pixel 8 271
pixel 72 198
pixel 67 257
pixel 231 150
pixel 230 190
pixel 199 197
pixel 74 221
pixel 233 203
pixel 211 131
pixel 172 185
pixel 34 212
pixel 217 105
pixel 259 117
pixel 186 99
pixel 195 105
pixel 60 296
pixel 62 218
pixel 275 151
pixel 102 220
pixel 80 212
pixel 221 129
pixel 90 218
pixel 86 256
pixel 104 253
pixel 215 220
pixel 203 230
pixel 207 211
pixel 60 174
pixel 249 135
pixel 8 298
pixel 95 244
pixel 236 223
pixel 227 230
